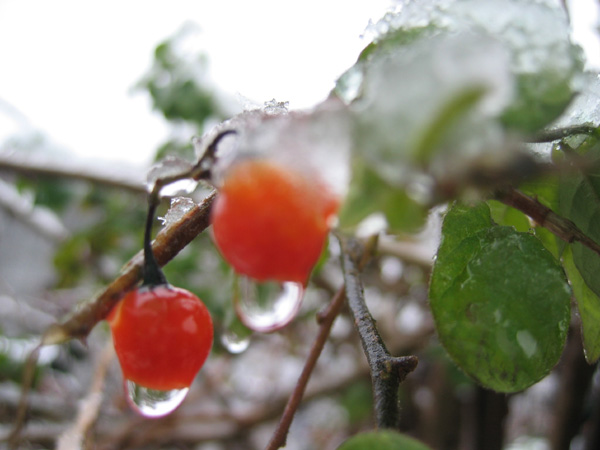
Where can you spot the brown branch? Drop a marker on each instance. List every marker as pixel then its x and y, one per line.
pixel 545 217
pixel 168 243
pixel 387 372
pixel 325 319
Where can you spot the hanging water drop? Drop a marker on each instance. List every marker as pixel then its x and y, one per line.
pixel 266 307
pixel 153 403
pixel 234 342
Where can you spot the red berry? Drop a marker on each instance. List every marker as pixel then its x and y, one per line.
pixel 162 336
pixel 271 222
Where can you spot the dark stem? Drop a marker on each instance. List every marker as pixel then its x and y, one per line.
pixel 387 372
pixel 203 168
pixel 556 134
pixel 152 273
pixel 545 217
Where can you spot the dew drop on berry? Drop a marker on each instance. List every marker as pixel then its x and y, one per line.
pixel 266 307
pixel 153 403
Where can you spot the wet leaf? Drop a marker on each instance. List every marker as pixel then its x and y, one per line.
pixel 579 201
pixel 500 301
pixel 382 440
pixel 589 309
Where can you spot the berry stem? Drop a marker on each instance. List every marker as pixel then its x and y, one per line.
pixel 152 274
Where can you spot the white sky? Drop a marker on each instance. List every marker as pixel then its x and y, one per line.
pixel 69 65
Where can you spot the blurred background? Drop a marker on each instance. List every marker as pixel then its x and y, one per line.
pixel 90 96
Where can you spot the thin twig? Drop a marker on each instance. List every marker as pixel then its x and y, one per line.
pixel 325 319
pixel 387 372
pixel 326 322
pixel 21 415
pixel 561 227
pixel 73 437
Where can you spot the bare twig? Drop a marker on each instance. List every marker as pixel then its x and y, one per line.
pixel 21 415
pixel 73 437
pixel 325 319
pixel 545 217
pixel 387 372
pixel 326 322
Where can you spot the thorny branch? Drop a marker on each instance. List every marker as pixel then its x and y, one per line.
pixel 387 372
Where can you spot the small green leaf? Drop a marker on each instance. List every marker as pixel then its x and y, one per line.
pixel 589 309
pixel 382 440
pixel 500 301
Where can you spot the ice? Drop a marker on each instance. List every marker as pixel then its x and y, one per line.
pixel 171 167
pixel 415 90
pixel 317 142
pixel 585 108
pixel 404 94
pixel 180 206
pixel 273 107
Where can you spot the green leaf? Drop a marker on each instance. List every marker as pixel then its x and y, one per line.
pixel 505 215
pixel 500 301
pixel 589 309
pixel 369 193
pixel 382 440
pixel 579 201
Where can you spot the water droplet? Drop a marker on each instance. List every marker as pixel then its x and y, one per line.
pixel 235 343
pixel 235 336
pixel 266 307
pixel 151 402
